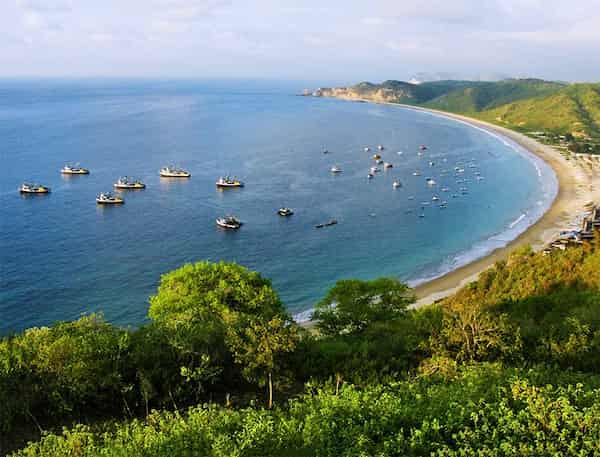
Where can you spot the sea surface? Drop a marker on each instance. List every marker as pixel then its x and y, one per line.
pixel 62 255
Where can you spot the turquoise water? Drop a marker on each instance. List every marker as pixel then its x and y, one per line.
pixel 62 255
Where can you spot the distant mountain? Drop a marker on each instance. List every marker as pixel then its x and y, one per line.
pixel 516 103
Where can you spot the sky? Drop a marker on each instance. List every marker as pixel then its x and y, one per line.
pixel 327 40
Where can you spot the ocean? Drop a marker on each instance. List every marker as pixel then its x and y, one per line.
pixel 62 255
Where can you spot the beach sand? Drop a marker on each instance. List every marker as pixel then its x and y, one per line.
pixel 578 181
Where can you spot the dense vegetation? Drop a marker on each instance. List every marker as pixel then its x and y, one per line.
pixel 510 365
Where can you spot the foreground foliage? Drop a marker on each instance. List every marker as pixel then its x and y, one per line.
pixel 484 410
pixel 509 365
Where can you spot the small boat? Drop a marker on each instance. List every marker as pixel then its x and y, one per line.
pixel 127 183
pixel 327 224
pixel 370 176
pixel 387 165
pixel 335 169
pixel 479 178
pixel 367 149
pixel 379 161
pixel 172 172
pixel 107 198
pixel 380 147
pixel 285 211
pixel 445 189
pixel 326 151
pixel 33 189
pixel 74 170
pixel 421 215
pixel 374 169
pixel 229 222
pixel 431 163
pixel 376 156
pixel 423 147
pixel 227 181
pixel 396 184
pixel 417 173
pixel 435 198
pixel 431 182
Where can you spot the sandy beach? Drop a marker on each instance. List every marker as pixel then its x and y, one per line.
pixel 579 183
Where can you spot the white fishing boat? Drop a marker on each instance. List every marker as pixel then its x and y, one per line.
pixel 335 169
pixel 33 189
pixel 285 212
pixel 228 181
pixel 396 184
pixel 108 198
pixel 74 170
pixel 128 183
pixel 387 165
pixel 173 172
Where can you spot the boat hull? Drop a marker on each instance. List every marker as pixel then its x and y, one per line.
pixel 175 175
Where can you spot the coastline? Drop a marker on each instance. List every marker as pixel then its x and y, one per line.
pixel 575 189
pixel 578 184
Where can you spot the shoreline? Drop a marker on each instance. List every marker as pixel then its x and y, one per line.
pixel 577 185
pixel 574 191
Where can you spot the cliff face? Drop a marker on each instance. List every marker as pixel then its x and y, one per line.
pixel 390 92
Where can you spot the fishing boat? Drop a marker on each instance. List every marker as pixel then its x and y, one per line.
pixel 417 173
pixel 431 182
pixel 370 176
pixel 387 165
pixel 367 149
pixel 327 224
pixel 374 170
pixel 74 170
pixel 107 198
pixel 396 184
pixel 376 156
pixel 379 161
pixel 127 183
pixel 423 147
pixel 435 198
pixel 431 163
pixel 229 222
pixel 380 147
pixel 33 189
pixel 228 181
pixel 173 172
pixel 285 212
pixel 335 169
pixel 326 151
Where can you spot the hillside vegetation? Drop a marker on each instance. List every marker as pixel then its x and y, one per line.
pixel 510 365
pixel 521 104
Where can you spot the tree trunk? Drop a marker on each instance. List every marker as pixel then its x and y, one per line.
pixel 270 391
pixel 338 381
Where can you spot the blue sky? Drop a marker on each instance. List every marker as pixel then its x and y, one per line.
pixel 344 41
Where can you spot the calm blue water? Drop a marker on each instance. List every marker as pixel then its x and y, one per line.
pixel 62 255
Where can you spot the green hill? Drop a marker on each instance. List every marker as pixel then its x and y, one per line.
pixel 488 95
pixel 574 109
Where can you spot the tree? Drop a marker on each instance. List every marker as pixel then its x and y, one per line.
pixel 352 305
pixel 258 346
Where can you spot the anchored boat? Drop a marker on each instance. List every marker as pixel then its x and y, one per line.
pixel 108 198
pixel 227 181
pixel 128 183
pixel 285 212
pixel 172 172
pixel 229 222
pixel 33 189
pixel 74 170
